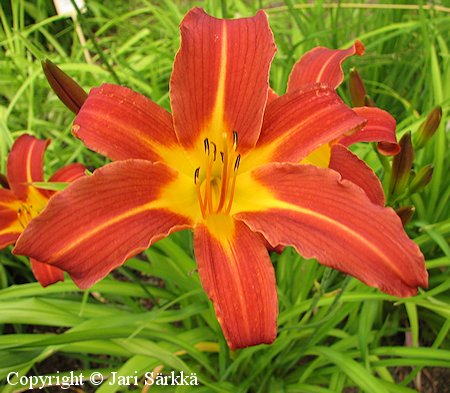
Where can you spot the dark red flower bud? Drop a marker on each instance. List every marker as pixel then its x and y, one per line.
pixel 4 181
pixel 405 213
pixel 401 166
pixel 356 87
pixel 69 92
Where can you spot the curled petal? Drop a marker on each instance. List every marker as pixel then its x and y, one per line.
pixel 380 128
pixel 119 123
pixel 220 78
pixel 238 276
pixel 322 65
pixel 46 274
pixel 10 228
pixel 358 172
pixel 100 221
pixel 297 123
pixel 68 173
pixel 25 164
pixel 332 220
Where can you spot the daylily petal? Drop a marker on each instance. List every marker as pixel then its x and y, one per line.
pixel 68 173
pixel 46 274
pixel 380 127
pixel 322 65
pixel 119 123
pixel 332 220
pixel 357 171
pixel 238 276
pixel 100 221
pixel 220 78
pixel 10 228
pixel 297 123
pixel 272 95
pixel 25 164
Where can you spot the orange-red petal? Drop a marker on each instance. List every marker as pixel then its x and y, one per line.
pixel 119 123
pixel 10 228
pixel 238 276
pixel 25 164
pixel 99 221
pixel 380 128
pixel 220 78
pixel 357 171
pixel 322 65
pixel 297 123
pixel 332 220
pixel 46 274
pixel 68 173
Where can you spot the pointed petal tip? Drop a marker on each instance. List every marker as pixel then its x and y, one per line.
pixel 359 47
pixel 238 276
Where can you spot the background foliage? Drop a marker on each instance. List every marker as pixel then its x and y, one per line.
pixel 335 334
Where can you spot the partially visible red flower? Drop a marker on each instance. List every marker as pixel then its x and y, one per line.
pixel 324 65
pixel 22 201
pixel 225 164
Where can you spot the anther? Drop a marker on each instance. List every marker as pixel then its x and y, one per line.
pixel 206 145
pixel 235 139
pixel 236 164
pixel 214 151
pixel 196 175
pixel 221 156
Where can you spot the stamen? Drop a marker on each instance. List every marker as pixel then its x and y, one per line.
pixel 230 200
pixel 221 156
pixel 235 139
pixel 224 188
pixel 196 175
pixel 200 201
pixel 215 151
pixel 206 145
pixel 236 164
pixel 208 195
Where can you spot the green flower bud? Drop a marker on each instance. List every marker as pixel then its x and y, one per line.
pixel 421 179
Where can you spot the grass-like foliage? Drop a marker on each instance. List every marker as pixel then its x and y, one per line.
pixel 335 333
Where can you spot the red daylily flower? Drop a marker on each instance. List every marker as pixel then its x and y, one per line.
pixel 324 65
pixel 225 165
pixel 23 202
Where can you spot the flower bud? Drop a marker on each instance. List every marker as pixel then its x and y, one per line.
pixel 421 179
pixel 356 87
pixel 405 213
pixel 4 181
pixel 368 101
pixel 428 127
pixel 69 92
pixel 401 166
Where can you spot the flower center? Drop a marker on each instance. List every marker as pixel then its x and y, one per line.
pixel 31 208
pixel 215 179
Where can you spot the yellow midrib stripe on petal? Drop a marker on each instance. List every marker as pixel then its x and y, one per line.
pixel 217 122
pixel 87 235
pixel 28 162
pixel 245 201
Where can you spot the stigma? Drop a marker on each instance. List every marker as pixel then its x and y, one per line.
pixel 215 178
